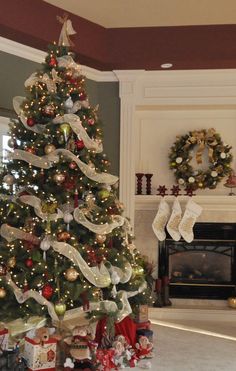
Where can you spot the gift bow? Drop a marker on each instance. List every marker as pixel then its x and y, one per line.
pixel 202 138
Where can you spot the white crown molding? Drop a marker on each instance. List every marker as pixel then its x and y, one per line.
pixel 38 56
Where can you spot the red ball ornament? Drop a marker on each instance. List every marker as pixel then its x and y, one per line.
pixel 3 270
pixel 82 96
pixel 29 263
pixel 30 121
pixel 72 165
pixel 31 150
pixel 73 81
pixel 91 122
pixel 79 144
pixel 47 291
pixel 52 62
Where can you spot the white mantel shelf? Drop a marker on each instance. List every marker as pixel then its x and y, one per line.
pixel 209 203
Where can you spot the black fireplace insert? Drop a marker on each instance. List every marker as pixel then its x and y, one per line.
pixel 204 268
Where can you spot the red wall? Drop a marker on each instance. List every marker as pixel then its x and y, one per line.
pixel 189 47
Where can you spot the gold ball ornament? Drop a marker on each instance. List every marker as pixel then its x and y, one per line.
pixel 65 129
pixel 100 238
pixel 3 293
pixel 11 263
pixel 60 308
pixel 137 270
pixel 59 178
pixel 200 185
pixel 71 274
pixel 232 302
pixel 49 148
pixel 63 236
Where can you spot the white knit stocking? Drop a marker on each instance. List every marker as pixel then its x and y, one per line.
pixel 160 220
pixel 175 218
pixel 191 214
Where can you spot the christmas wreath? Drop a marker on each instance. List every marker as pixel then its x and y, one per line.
pixel 218 153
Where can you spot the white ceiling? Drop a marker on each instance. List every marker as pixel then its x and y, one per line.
pixel 151 13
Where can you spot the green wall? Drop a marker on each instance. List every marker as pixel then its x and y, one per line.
pixel 15 70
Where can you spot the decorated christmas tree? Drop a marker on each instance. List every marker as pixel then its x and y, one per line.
pixel 64 242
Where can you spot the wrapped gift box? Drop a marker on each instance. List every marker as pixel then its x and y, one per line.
pixel 4 336
pixel 143 325
pixel 40 356
pixel 142 315
pixel 145 332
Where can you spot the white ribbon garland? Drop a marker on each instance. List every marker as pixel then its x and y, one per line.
pixel 21 297
pixel 78 104
pixel 68 62
pixel 45 78
pixel 75 124
pixel 106 228
pixel 98 277
pixel 11 234
pixel 36 203
pixel 88 171
pixel 17 102
pixel 46 162
pixel 108 305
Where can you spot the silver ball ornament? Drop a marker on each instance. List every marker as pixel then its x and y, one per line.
pixel 67 218
pixel 11 143
pixel 45 244
pixel 9 179
pixel 69 103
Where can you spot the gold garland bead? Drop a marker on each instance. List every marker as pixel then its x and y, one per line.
pixel 3 293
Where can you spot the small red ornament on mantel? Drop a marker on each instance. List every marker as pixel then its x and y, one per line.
pixel 29 263
pixel 30 121
pixel 162 191
pixel 175 190
pixel 47 291
pixel 189 191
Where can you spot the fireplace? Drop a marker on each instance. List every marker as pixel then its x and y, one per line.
pixel 205 268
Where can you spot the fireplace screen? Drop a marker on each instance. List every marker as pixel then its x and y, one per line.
pixel 204 268
pixel 204 264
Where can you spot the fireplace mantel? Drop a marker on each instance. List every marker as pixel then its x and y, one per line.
pixel 208 203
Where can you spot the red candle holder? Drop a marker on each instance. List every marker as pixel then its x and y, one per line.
pixel 148 183
pixel 139 183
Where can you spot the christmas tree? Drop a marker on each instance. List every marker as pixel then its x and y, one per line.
pixel 64 242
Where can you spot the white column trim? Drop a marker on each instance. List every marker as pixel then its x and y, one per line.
pixel 38 56
pixel 127 88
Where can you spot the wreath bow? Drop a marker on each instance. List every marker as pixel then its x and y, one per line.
pixel 203 138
